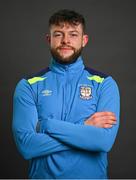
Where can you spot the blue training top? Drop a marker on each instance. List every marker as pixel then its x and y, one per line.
pixel 48 121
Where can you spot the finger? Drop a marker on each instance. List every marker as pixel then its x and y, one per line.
pixel 97 114
pixel 103 119
pixel 88 122
pixel 113 118
pixel 107 126
pixel 102 114
pixel 104 125
pixel 111 122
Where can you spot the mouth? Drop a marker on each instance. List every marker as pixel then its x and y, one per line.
pixel 65 48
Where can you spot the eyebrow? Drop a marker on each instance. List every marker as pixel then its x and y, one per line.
pixel 74 31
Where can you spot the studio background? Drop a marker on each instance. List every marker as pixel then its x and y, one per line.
pixel 111 25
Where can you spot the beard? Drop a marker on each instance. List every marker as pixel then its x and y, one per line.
pixel 66 60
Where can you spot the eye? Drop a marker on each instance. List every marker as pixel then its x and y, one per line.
pixel 74 35
pixel 57 34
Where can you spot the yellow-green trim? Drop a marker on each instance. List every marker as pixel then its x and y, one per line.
pixel 35 79
pixel 96 78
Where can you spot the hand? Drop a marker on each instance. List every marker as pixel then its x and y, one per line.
pixel 102 119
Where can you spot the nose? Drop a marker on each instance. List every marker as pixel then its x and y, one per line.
pixel 65 39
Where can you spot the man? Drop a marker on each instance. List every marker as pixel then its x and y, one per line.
pixel 66 117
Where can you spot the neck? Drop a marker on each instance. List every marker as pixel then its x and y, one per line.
pixel 73 68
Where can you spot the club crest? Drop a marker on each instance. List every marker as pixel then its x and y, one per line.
pixel 85 92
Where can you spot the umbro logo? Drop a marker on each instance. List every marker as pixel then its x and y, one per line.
pixel 46 92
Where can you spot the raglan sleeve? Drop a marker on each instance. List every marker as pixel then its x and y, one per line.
pixel 88 137
pixel 30 143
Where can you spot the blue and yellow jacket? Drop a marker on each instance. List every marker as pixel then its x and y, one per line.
pixel 48 121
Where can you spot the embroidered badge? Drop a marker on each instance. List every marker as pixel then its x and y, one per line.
pixel 85 92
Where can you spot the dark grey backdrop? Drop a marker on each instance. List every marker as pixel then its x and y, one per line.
pixel 112 29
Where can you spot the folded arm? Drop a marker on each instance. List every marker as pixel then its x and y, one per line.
pixel 90 137
pixel 29 142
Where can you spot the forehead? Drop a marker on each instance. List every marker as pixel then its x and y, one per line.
pixel 66 27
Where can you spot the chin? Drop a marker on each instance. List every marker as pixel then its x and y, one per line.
pixel 66 58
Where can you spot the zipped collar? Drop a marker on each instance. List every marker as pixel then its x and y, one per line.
pixel 73 68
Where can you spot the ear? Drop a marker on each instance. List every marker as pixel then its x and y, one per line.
pixel 48 38
pixel 85 40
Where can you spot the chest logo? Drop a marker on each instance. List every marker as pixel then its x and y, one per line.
pixel 85 92
pixel 46 92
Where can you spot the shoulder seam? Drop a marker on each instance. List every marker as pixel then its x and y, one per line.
pixel 39 74
pixel 97 73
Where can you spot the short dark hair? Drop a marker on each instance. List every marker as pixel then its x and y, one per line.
pixel 67 16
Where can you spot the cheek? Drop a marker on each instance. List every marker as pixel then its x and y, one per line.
pixel 78 44
pixel 54 44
